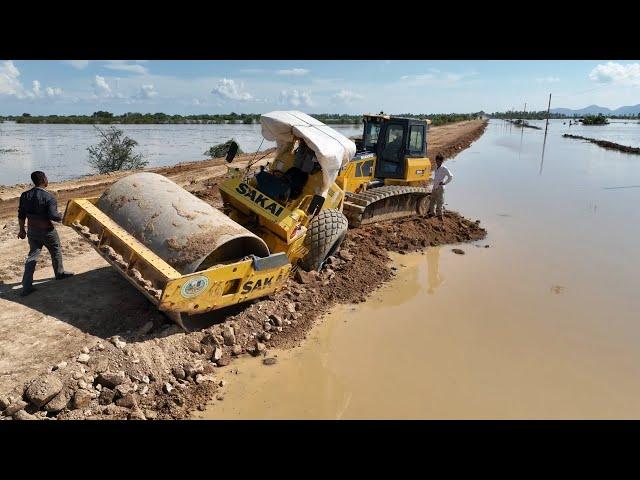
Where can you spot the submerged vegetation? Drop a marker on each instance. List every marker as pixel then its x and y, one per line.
pixel 594 120
pixel 542 115
pixel 114 152
pixel 221 150
pixel 606 144
pixel 523 123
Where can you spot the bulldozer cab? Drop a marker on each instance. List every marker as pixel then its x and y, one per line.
pixel 393 139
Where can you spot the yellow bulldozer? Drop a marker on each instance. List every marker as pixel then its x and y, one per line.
pixel 384 175
pixel 188 257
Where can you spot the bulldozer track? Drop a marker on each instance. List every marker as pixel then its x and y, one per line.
pixel 383 203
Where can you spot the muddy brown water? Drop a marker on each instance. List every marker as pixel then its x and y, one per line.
pixel 543 324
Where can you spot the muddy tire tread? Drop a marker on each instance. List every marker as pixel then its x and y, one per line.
pixel 329 227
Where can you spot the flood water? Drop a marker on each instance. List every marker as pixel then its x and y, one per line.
pixel 543 324
pixel 61 150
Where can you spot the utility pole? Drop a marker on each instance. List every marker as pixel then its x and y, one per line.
pixel 547 124
pixel 544 143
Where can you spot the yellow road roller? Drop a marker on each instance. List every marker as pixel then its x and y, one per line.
pixel 181 253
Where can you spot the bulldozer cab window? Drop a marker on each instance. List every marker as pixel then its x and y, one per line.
pixel 371 132
pixel 392 158
pixel 416 140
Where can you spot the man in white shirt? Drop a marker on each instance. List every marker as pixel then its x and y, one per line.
pixel 441 177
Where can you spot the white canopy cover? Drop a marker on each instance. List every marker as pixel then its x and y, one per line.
pixel 333 150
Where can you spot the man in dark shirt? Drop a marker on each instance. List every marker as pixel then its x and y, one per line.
pixel 40 209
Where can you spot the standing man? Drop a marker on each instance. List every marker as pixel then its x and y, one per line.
pixel 441 177
pixel 40 208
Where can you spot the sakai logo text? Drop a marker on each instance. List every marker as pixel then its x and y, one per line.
pixel 259 199
pixel 252 286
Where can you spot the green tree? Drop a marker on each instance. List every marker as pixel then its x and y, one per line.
pixel 114 152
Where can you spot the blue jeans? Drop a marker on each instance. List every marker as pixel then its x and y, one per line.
pixel 37 240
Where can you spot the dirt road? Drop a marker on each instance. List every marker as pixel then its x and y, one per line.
pixel 56 323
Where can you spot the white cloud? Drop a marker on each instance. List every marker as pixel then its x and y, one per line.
pixel 616 73
pixel 227 89
pixel 346 96
pixel 36 88
pixel 296 98
pixel 9 82
pixel 53 92
pixel 101 87
pixel 146 92
pixel 435 78
pixel 77 64
pixel 124 66
pixel 296 72
pixel 547 79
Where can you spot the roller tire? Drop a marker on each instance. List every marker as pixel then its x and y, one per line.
pixel 325 234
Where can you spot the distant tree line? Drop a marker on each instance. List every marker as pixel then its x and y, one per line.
pixel 108 118
pixel 515 114
pixel 444 118
pixel 541 115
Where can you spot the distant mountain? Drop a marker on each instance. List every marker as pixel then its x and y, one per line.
pixel 630 110
pixel 595 109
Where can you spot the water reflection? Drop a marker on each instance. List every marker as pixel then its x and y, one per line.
pixel 433 269
pixel 544 144
pixel 305 378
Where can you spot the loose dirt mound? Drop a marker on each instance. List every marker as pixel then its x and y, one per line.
pixel 163 373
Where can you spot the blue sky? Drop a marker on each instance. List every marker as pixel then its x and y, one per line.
pixel 191 87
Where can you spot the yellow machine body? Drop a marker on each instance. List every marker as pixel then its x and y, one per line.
pixel 202 291
pixel 282 226
pixel 360 173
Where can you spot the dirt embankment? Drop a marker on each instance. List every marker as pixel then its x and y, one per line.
pixel 93 347
pixel 449 140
